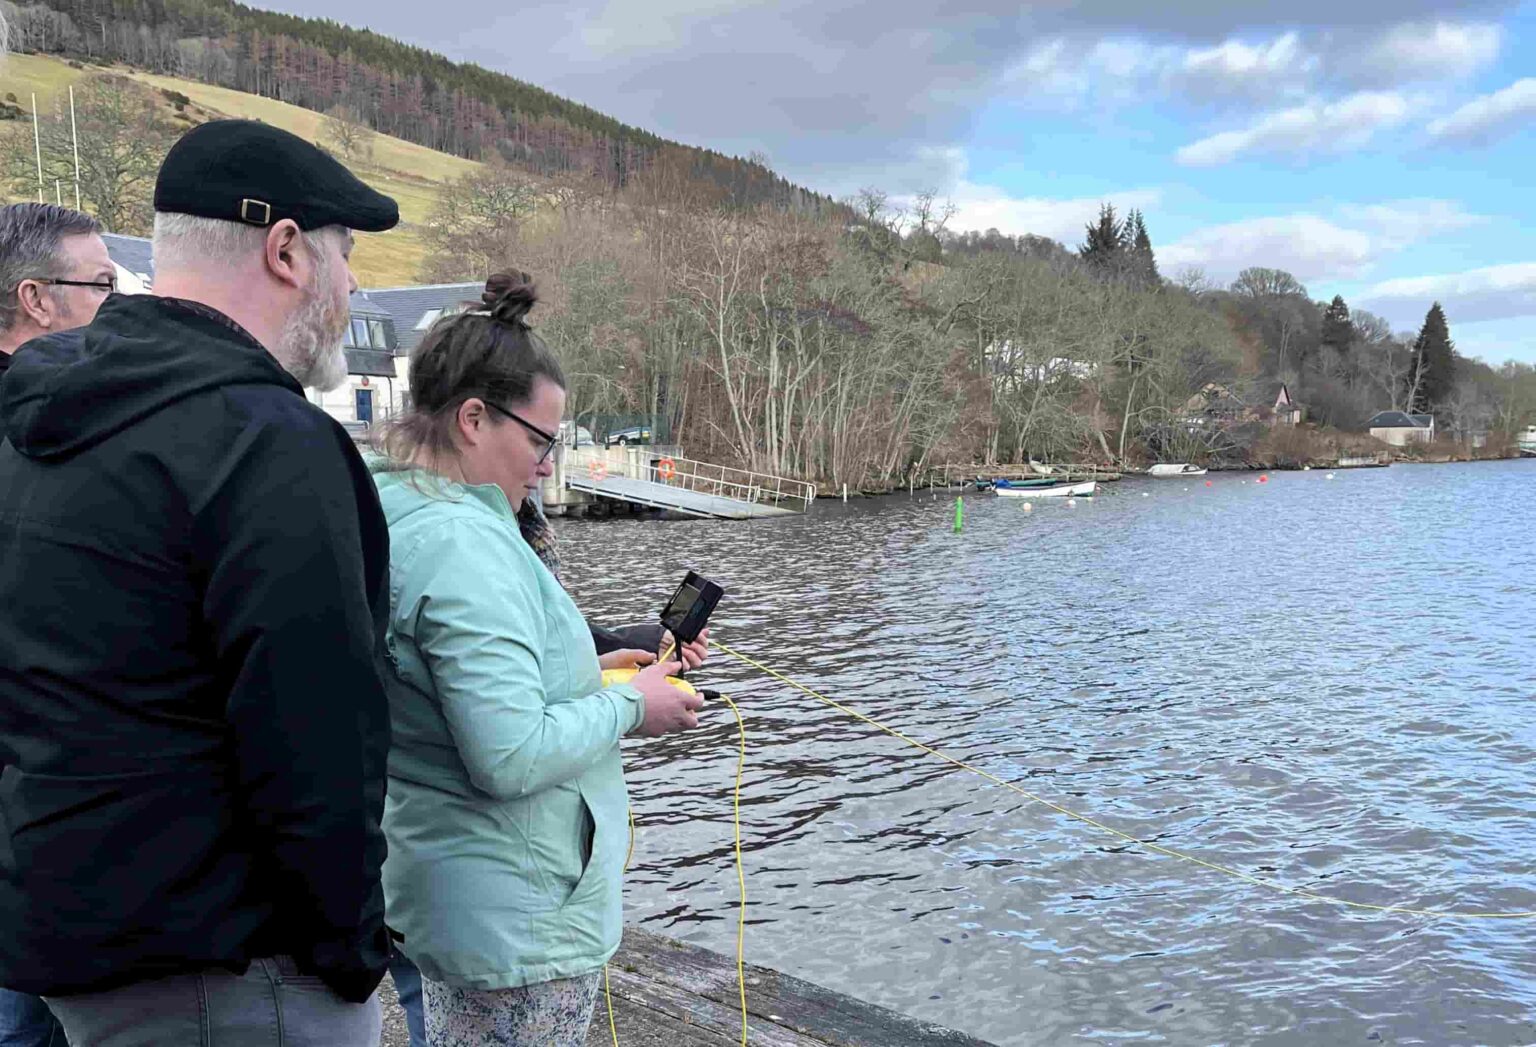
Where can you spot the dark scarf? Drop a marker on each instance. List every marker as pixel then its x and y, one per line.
pixel 540 537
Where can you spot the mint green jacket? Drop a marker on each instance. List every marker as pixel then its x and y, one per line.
pixel 507 815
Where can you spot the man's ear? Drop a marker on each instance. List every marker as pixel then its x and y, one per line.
pixel 33 303
pixel 285 258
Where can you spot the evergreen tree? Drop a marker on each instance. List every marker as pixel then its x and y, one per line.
pixel 1138 245
pixel 1338 329
pixel 1104 250
pixel 1434 356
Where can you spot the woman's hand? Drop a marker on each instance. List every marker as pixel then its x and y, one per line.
pixel 627 658
pixel 667 708
pixel 693 654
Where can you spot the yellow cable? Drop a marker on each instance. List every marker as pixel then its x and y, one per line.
pixel 1299 892
pixel 741 876
pixel 608 995
pixel 741 880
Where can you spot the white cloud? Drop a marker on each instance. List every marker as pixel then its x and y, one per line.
pixel 1304 245
pixel 1418 51
pixel 1241 71
pixel 1487 117
pixel 1397 223
pixel 1315 127
pixel 983 207
pixel 1311 247
pixel 1276 68
pixel 1492 293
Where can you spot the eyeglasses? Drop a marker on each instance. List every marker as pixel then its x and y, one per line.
pixel 550 439
pixel 108 285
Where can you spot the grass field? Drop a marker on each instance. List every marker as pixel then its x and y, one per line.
pixel 48 77
pixel 410 173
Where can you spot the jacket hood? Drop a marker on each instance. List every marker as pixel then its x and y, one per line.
pixel 68 391
pixel 405 488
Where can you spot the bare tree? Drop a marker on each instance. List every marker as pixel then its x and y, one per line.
pixel 346 130
pixel 123 136
pixel 477 224
pixel 1258 282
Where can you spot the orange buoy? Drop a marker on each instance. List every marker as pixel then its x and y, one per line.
pixel 666 468
pixel 598 470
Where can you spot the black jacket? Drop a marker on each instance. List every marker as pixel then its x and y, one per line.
pixel 193 571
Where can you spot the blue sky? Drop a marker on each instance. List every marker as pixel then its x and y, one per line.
pixel 1378 149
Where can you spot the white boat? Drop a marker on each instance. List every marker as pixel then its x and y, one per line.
pixel 1082 490
pixel 1166 470
pixel 1527 442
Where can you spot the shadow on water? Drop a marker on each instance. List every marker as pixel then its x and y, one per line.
pixel 1328 683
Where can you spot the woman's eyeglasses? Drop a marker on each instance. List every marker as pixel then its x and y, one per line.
pixel 108 285
pixel 550 439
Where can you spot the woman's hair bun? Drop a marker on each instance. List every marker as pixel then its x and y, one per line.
pixel 509 296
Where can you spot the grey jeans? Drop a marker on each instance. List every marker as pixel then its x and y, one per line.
pixel 271 1005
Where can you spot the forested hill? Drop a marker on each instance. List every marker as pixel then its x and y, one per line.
pixel 404 91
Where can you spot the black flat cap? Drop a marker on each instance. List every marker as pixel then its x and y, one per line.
pixel 245 171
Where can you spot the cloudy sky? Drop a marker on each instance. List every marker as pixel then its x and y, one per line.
pixel 1381 149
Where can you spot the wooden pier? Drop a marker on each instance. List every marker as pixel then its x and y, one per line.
pixel 667 993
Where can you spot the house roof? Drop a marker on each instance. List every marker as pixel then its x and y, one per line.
pixel 1273 392
pixel 132 253
pixel 1400 420
pixel 413 307
pixel 363 306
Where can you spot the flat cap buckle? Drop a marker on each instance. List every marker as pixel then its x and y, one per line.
pixel 248 205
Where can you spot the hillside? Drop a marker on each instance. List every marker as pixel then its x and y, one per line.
pixel 411 173
pixel 407 92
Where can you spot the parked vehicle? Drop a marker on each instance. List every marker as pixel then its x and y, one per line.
pixel 632 434
pixel 573 435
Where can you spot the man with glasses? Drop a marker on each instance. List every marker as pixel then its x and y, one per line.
pixel 54 273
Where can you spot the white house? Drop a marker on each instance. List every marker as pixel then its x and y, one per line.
pixel 372 391
pixel 1400 429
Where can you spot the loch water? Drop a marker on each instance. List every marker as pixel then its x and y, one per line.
pixel 1327 683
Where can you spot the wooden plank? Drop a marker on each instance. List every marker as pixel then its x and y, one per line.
pixel 668 993
pixel 652 1008
pixel 774 1000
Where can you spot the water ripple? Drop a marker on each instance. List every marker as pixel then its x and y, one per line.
pixel 1328 684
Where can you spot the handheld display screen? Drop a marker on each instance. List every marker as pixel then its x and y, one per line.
pixel 688 611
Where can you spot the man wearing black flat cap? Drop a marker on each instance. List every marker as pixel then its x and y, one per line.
pixel 193 570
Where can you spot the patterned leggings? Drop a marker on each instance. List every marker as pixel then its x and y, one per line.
pixel 546 1014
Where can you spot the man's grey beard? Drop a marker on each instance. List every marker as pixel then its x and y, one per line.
pixel 312 339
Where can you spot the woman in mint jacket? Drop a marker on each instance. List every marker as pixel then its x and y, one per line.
pixel 507 811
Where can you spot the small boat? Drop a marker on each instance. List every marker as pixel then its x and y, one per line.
pixel 1014 484
pixel 1055 490
pixel 1526 442
pixel 1166 470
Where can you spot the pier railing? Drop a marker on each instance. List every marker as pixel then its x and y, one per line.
pixel 689 474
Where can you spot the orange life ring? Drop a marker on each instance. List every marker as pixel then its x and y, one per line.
pixel 666 468
pixel 598 471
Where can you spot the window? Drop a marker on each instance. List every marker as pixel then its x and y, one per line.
pixel 364 405
pixel 428 318
pixel 359 334
pixel 377 338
